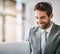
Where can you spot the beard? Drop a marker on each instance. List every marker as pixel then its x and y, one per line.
pixel 44 25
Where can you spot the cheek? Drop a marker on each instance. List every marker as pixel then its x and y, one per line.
pixel 43 20
pixel 46 20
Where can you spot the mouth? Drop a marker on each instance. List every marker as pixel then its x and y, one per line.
pixel 42 25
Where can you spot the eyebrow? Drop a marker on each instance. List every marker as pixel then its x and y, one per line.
pixel 40 17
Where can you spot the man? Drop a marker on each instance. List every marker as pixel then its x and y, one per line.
pixel 38 45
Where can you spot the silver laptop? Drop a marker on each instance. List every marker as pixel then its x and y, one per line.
pixel 14 48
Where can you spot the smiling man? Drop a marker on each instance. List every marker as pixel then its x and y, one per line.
pixel 43 20
pixel 44 39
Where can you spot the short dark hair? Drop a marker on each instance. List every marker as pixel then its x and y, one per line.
pixel 44 6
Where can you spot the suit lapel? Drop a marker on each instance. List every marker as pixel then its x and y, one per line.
pixel 52 33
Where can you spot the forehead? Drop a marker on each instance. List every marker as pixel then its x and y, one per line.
pixel 40 13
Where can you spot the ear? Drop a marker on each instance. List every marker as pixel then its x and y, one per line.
pixel 51 16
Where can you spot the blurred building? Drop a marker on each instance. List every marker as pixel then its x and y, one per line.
pixel 17 17
pixel 7 20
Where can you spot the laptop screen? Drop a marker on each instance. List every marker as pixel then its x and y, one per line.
pixel 14 48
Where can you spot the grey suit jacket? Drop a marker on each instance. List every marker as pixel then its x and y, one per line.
pixel 53 43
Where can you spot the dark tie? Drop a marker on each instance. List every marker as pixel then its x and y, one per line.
pixel 45 36
pixel 44 40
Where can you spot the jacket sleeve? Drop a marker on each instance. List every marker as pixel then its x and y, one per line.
pixel 30 41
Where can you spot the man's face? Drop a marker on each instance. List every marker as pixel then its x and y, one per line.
pixel 42 19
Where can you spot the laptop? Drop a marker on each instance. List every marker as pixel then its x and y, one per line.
pixel 14 48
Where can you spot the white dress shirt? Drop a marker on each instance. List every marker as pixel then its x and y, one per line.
pixel 43 40
pixel 48 30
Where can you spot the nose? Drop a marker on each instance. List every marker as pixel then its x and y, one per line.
pixel 39 20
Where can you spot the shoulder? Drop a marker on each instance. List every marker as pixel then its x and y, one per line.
pixel 57 29
pixel 34 28
pixel 56 26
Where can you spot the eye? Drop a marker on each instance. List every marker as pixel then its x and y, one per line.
pixel 43 17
